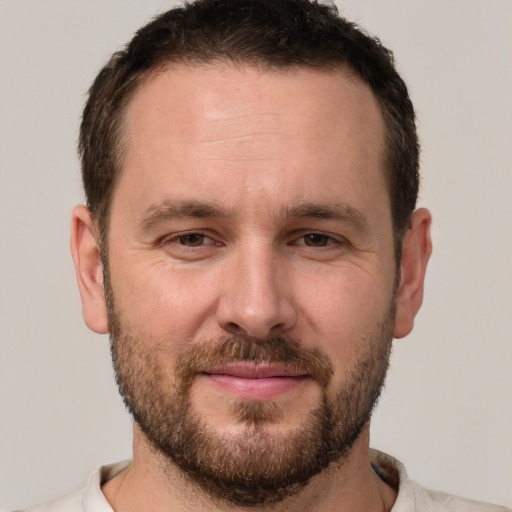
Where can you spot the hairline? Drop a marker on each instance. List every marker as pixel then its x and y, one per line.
pixel 103 212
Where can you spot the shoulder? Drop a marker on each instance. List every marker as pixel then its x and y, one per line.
pixel 70 503
pixel 415 498
pixel 89 499
pixel 430 501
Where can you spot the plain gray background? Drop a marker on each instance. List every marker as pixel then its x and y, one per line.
pixel 446 411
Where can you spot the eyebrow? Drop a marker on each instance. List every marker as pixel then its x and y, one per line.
pixel 335 211
pixel 173 209
pixel 169 209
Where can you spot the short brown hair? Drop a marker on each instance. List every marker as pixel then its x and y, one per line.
pixel 267 33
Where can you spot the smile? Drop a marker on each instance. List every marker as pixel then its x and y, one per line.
pixel 256 382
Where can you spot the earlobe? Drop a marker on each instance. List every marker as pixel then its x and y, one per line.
pixel 416 251
pixel 85 250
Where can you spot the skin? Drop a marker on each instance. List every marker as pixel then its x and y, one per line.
pixel 259 146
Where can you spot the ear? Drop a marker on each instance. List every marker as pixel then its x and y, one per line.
pixel 89 270
pixel 416 251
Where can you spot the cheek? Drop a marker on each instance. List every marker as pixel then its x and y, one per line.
pixel 344 314
pixel 167 302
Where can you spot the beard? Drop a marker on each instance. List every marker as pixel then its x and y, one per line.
pixel 256 467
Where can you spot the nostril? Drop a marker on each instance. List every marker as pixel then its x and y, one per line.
pixel 233 328
pixel 254 313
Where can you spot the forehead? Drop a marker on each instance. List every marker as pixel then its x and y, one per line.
pixel 299 129
pixel 208 95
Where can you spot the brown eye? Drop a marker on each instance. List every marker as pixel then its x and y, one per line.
pixel 317 240
pixel 192 239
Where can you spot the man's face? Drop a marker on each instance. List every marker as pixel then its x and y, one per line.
pixel 251 271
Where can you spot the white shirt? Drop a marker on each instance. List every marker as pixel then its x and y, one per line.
pixel 411 496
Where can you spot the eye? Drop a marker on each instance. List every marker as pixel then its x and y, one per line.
pixel 191 245
pixel 316 240
pixel 193 239
pixel 187 240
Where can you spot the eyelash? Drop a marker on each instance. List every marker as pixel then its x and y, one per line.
pixel 175 239
pixel 328 240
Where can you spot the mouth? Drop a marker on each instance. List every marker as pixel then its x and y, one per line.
pixel 255 382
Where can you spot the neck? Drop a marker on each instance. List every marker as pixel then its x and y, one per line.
pixel 152 483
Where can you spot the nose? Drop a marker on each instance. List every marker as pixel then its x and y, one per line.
pixel 255 294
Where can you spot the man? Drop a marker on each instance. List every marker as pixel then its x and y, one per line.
pixel 251 245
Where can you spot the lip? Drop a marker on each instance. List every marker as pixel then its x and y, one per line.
pixel 255 382
pixel 255 370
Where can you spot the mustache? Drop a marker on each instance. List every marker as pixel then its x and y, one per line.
pixel 275 348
